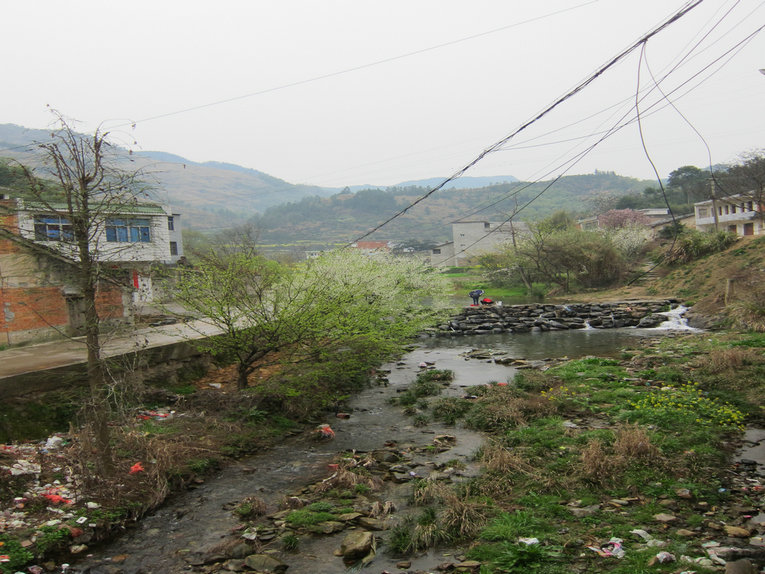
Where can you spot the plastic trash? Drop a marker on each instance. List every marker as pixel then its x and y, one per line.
pixel 611 549
pixel 136 468
pixel 664 557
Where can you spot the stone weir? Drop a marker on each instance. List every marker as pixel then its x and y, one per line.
pixel 543 317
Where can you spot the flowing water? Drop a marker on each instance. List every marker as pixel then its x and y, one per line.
pixel 193 523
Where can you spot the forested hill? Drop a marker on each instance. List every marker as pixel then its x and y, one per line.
pixel 209 195
pixel 345 216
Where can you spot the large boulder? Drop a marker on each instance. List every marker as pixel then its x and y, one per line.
pixel 357 544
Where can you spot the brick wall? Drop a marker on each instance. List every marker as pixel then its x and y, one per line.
pixel 10 222
pixel 109 301
pixel 32 308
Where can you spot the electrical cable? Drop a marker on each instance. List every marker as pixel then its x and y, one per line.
pixel 581 86
pixel 360 67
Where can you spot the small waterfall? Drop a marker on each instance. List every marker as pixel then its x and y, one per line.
pixel 675 320
pixel 587 326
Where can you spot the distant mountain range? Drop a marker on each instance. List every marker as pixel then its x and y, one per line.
pixel 216 195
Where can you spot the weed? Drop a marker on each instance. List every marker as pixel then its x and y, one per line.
pixel 304 517
pixel 450 409
pixel 421 420
pixel 509 526
pixel 320 506
pixel 290 543
pixel 17 555
pixel 436 375
pixel 250 508
pixel 51 538
pixel 678 408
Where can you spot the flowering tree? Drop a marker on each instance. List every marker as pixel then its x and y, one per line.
pixel 616 218
pixel 261 307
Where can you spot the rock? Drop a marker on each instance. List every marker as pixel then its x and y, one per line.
pixel 683 493
pixel 737 531
pixel 328 527
pixel 372 523
pixel 665 518
pixel 240 550
pixel 685 533
pixel 743 566
pixel 349 517
pixel 234 565
pixel 468 566
pixel 357 544
pixel 585 510
pixel 265 563
pixel 651 320
pixel 404 565
pixel 78 548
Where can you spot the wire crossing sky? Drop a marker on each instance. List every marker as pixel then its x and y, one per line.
pixel 342 92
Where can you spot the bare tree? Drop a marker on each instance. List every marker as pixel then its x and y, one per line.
pixel 90 187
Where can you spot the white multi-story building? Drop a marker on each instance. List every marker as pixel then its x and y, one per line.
pixel 139 232
pixel 473 238
pixel 740 214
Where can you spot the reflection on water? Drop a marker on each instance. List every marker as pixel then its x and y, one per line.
pixel 551 344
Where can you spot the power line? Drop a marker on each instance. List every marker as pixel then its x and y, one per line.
pixel 581 86
pixel 621 124
pixel 360 67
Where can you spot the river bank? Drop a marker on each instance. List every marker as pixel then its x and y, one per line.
pixel 582 409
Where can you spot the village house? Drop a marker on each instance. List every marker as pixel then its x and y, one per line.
pixel 473 238
pixel 39 293
pixel 740 214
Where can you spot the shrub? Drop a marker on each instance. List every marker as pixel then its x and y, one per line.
pixel 692 244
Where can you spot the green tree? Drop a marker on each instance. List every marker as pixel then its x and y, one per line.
pixel 691 181
pixel 261 307
pixel 747 178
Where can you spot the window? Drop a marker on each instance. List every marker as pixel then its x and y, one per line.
pixel 486 225
pixel 436 252
pixel 727 209
pixel 703 212
pixel 128 231
pixel 173 248
pixel 170 223
pixel 749 206
pixel 52 228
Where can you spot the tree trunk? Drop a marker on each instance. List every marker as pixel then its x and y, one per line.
pixel 97 413
pixel 241 379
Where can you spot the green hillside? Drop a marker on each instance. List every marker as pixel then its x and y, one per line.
pixel 343 217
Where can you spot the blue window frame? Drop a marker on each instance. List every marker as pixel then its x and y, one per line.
pixel 52 228
pixel 128 230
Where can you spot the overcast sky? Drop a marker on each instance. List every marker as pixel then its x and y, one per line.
pixel 345 92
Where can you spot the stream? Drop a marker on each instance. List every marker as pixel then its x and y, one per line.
pixel 192 524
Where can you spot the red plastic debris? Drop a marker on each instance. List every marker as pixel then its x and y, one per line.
pixel 325 431
pixel 136 468
pixel 57 498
